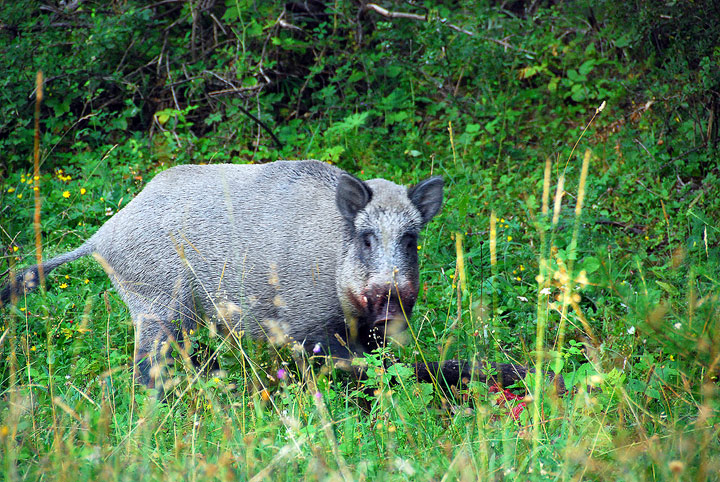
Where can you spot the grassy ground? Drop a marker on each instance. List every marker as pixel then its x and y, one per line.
pixel 633 319
pixel 570 239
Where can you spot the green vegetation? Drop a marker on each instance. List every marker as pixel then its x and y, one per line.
pixel 613 280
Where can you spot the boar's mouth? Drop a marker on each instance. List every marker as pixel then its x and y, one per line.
pixel 383 319
pixel 379 311
pixel 389 326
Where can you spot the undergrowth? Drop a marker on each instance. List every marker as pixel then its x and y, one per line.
pixel 575 238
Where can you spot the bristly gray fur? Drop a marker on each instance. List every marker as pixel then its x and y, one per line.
pixel 265 250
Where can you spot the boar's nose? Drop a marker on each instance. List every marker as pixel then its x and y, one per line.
pixel 388 306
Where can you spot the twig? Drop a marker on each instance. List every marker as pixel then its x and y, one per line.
pixel 257 141
pixel 255 119
pixel 217 22
pixel 285 24
pixel 688 152
pixel 634 228
pixel 220 78
pixel 235 90
pixel 387 13
pixel 456 28
pixel 509 46
pixel 172 89
pixel 648 189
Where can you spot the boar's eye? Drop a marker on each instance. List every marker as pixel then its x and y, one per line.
pixel 409 243
pixel 367 241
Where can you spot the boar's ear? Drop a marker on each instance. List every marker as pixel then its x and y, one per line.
pixel 427 196
pixel 351 196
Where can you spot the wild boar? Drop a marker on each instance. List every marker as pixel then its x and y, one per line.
pixel 288 251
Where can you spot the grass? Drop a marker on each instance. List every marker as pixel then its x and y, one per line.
pixel 638 411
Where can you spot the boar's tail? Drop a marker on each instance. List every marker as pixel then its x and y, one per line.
pixel 29 278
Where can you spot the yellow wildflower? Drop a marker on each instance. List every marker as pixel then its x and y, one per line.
pixel 11 189
pixel 63 286
pixel 509 238
pixel 15 248
pixel 20 196
pixel 87 281
pixel 32 348
pixel 66 194
pixel 82 190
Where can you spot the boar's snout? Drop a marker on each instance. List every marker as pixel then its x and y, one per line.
pixel 383 306
pixel 390 306
pixel 388 309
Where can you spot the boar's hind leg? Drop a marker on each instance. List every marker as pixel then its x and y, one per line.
pixel 159 321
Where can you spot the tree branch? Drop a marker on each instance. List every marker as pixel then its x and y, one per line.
pixel 424 18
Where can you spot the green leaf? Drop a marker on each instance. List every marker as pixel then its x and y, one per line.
pixel 586 67
pixel 231 14
pixel 393 71
pixel 668 288
pixel 553 84
pixel 653 393
pixel 472 128
pixel 400 371
pixel 578 93
pixel 249 82
pixel 355 76
pixel 394 117
pixel 622 41
pixel 591 264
